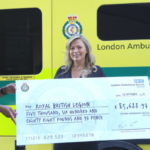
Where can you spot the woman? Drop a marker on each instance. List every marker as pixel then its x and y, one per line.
pixel 80 63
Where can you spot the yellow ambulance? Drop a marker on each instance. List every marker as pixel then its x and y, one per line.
pixel 33 36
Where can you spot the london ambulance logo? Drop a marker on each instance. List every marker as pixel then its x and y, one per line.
pixel 24 87
pixel 72 26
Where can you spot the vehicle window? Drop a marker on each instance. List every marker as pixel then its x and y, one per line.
pixel 123 22
pixel 20 41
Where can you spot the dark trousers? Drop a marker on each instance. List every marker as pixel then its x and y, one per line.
pixel 76 146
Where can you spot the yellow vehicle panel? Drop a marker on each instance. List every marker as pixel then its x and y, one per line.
pixel 8 129
pixel 87 16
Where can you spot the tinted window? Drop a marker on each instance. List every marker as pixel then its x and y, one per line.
pixel 123 22
pixel 20 41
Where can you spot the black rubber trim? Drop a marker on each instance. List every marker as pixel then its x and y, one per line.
pixel 21 147
pixel 119 144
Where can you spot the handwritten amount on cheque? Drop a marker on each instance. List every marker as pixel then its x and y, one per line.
pixel 62 113
pixel 55 113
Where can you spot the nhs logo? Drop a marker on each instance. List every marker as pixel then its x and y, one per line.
pixel 138 81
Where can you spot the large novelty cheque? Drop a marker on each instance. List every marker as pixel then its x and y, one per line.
pixel 72 110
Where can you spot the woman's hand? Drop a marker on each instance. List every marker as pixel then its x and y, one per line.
pixel 10 88
pixel 8 112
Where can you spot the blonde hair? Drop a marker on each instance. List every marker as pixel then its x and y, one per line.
pixel 89 58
